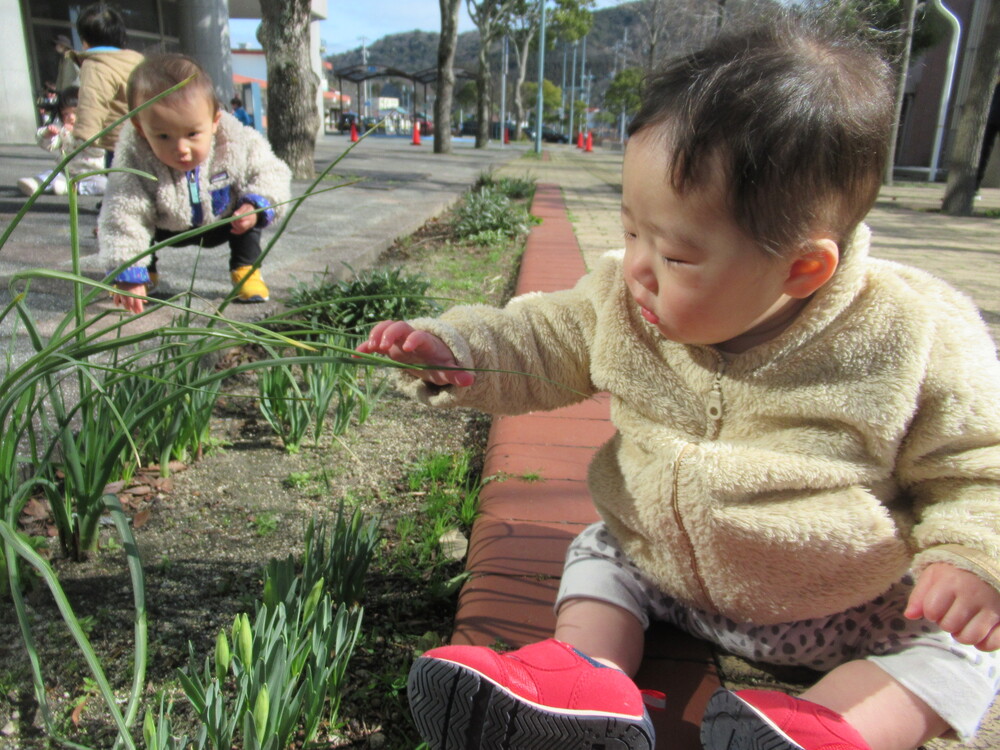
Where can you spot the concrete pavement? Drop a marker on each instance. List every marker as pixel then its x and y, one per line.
pixel 390 188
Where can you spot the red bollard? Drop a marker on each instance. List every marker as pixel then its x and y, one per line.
pixel 506 135
pixel 590 141
pixel 579 139
pixel 354 133
pixel 416 134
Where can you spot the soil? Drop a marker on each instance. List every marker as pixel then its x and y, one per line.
pixel 205 533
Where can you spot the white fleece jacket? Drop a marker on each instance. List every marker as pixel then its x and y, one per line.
pixel 794 480
pixel 240 167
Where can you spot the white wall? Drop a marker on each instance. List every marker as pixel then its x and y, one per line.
pixel 17 100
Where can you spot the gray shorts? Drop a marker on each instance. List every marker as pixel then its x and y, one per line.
pixel 959 682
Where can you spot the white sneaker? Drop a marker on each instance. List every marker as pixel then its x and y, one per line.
pixel 27 185
pixel 59 187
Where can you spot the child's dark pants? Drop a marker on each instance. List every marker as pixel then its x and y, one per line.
pixel 244 249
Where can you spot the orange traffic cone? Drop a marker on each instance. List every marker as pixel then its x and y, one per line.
pixel 579 139
pixel 416 134
pixel 506 135
pixel 590 141
pixel 354 133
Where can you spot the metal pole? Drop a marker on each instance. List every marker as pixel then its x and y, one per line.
pixel 583 79
pixel 562 90
pixel 956 33
pixel 541 80
pixel 572 97
pixel 503 91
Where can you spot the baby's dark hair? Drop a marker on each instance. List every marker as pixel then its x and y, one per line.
pixel 799 117
pixel 101 25
pixel 68 97
pixel 157 73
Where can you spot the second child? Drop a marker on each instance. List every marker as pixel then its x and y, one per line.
pixel 57 138
pixel 208 166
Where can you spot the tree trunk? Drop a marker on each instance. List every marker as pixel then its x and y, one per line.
pixel 963 159
pixel 292 116
pixel 521 47
pixel 445 75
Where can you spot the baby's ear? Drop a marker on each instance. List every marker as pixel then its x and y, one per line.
pixel 138 126
pixel 812 267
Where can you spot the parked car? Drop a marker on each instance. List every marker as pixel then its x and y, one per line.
pixel 549 135
pixel 469 128
pixel 426 124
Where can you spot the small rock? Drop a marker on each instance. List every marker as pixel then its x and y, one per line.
pixel 454 545
pixel 9 730
pixel 376 740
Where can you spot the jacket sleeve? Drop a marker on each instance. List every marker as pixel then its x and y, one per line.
pixel 949 462
pixel 127 220
pixel 47 140
pixel 266 178
pixel 534 354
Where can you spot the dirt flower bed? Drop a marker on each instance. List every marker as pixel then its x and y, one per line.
pixel 205 533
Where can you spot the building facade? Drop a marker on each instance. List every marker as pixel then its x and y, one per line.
pixel 199 28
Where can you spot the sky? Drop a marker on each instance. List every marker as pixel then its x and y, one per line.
pixel 348 21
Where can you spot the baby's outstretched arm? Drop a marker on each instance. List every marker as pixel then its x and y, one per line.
pixel 960 603
pixel 399 341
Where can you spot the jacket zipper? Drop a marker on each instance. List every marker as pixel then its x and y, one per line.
pixel 713 410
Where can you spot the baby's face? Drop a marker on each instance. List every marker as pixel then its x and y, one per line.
pixel 68 116
pixel 179 130
pixel 693 272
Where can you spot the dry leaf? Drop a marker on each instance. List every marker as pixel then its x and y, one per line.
pixel 36 509
pixel 140 518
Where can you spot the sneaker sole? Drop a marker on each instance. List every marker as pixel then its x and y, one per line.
pixel 458 708
pixel 731 723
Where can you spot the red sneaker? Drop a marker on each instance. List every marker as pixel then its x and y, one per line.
pixel 546 696
pixel 769 720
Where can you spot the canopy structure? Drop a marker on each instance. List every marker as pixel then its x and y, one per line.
pixel 358 74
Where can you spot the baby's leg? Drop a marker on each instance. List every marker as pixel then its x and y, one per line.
pixel 603 631
pixel 885 713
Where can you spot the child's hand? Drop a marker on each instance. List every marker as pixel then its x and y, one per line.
pixel 52 130
pixel 132 304
pixel 400 341
pixel 960 603
pixel 247 221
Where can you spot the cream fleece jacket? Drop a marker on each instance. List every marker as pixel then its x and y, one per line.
pixel 794 480
pixel 240 168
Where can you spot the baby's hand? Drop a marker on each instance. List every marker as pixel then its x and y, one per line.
pixel 247 221
pixel 960 603
pixel 401 342
pixel 52 130
pixel 132 304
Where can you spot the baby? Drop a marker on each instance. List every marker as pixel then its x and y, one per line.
pixel 806 469
pixel 57 138
pixel 207 165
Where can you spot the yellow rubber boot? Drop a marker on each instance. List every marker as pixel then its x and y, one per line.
pixel 254 289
